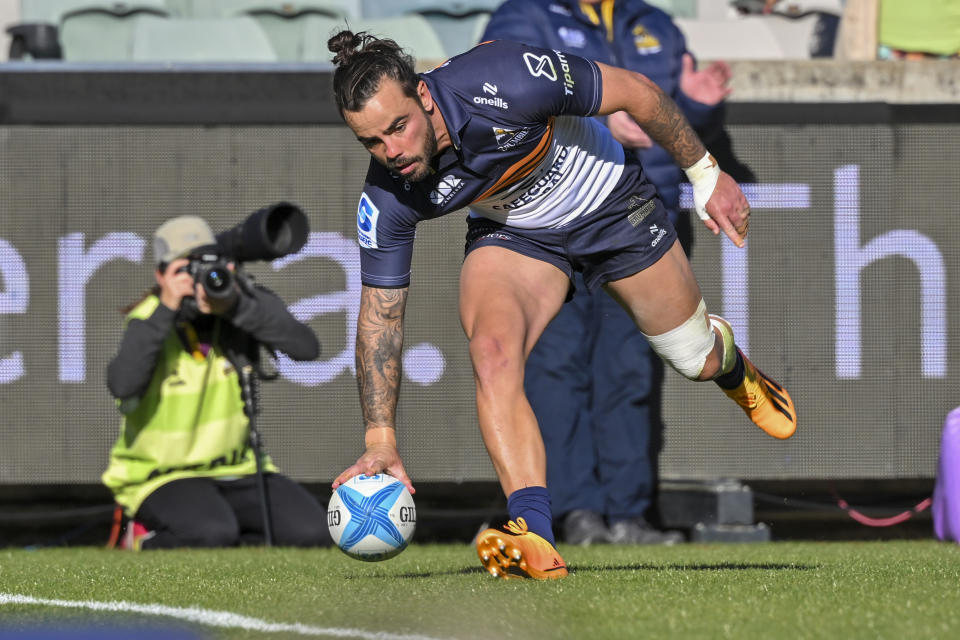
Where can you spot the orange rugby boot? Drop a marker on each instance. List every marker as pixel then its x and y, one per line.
pixel 765 402
pixel 518 553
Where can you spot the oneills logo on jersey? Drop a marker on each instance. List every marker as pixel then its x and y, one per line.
pixel 448 187
pixel 658 234
pixel 495 101
pixel 645 42
pixel 367 215
pixel 540 66
pixel 509 138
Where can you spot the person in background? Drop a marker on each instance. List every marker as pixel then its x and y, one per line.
pixel 899 30
pixel 593 381
pixel 183 469
pixel 919 29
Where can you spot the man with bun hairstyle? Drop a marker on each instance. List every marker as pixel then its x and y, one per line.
pixel 507 130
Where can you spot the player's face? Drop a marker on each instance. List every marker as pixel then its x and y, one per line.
pixel 396 130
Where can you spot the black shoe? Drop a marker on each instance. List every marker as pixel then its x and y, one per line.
pixel 639 531
pixel 585 527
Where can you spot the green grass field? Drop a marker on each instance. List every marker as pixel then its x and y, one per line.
pixel 903 589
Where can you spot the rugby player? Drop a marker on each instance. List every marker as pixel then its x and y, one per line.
pixel 506 130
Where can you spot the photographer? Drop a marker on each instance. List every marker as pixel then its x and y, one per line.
pixel 183 468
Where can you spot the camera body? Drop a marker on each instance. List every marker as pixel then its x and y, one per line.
pixel 210 270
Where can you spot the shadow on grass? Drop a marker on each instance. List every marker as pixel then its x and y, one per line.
pixel 719 566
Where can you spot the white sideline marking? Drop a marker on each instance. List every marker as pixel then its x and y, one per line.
pixel 210 618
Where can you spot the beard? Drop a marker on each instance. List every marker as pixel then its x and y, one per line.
pixel 422 161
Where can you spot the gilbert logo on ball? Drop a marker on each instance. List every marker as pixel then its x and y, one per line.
pixel 371 517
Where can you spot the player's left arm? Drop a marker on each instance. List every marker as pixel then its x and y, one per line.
pixel 718 199
pixel 379 346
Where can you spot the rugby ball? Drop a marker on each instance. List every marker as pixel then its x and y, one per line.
pixel 371 518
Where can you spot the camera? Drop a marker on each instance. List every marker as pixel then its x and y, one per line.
pixel 210 270
pixel 266 234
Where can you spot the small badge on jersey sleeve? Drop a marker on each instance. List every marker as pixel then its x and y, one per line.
pixel 367 214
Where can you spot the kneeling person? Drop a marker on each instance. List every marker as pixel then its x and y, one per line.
pixel 182 468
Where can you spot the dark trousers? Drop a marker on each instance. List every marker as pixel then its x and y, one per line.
pixel 205 512
pixel 596 388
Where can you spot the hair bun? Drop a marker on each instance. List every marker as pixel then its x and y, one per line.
pixel 344 46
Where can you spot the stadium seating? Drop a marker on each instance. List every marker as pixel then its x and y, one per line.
pixel 458 24
pixel 54 11
pixel 389 8
pixel 234 39
pixel 412 32
pixel 433 30
pixel 457 33
pixel 289 36
pixel 291 10
pixel 751 37
pixel 90 30
pixel 677 8
pixel 99 36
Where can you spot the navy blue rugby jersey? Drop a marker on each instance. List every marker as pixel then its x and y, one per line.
pixel 522 154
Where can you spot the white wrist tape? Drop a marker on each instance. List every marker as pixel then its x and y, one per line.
pixel 703 178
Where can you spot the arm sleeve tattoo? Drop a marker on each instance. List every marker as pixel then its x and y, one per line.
pixel 671 130
pixel 379 344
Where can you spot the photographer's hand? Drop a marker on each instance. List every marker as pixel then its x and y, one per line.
pixel 175 285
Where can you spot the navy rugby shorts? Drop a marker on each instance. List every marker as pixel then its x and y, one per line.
pixel 621 238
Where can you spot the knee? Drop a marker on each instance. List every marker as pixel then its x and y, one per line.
pixel 692 348
pixel 495 360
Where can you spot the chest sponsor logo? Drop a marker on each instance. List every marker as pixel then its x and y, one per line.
pixel 573 38
pixel 367 214
pixel 542 186
pixel 645 42
pixel 540 66
pixel 448 187
pixel 567 76
pixel 509 138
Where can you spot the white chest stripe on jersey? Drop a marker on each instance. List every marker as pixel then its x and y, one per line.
pixel 568 183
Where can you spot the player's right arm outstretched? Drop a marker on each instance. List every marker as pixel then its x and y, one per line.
pixel 379 345
pixel 718 199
